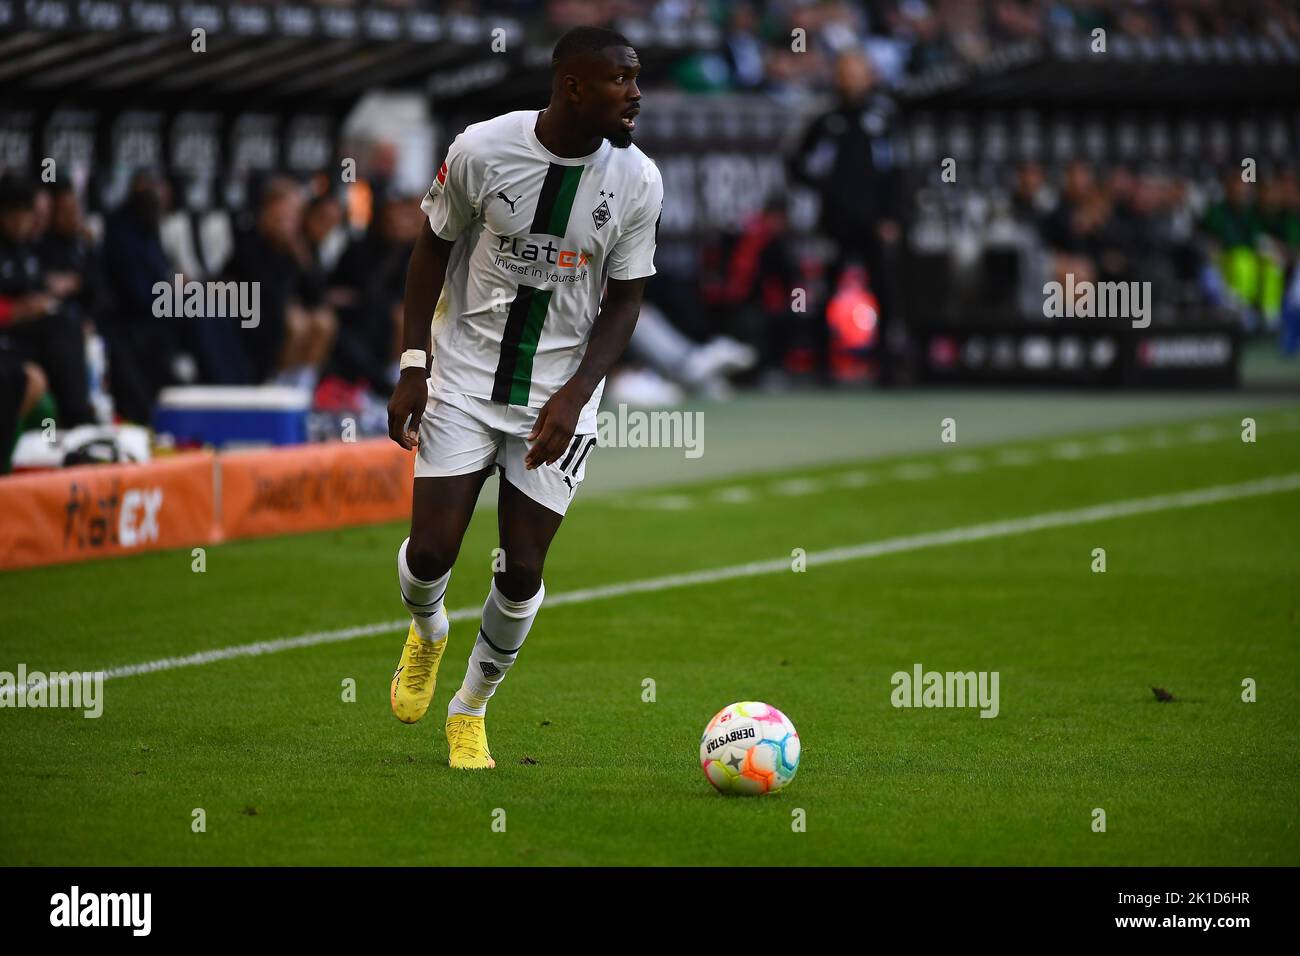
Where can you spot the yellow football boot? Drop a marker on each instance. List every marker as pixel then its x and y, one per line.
pixel 467 743
pixel 415 677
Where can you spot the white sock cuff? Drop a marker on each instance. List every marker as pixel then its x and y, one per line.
pixel 517 609
pixel 414 587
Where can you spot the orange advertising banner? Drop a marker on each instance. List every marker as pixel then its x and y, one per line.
pixel 95 511
pixel 308 488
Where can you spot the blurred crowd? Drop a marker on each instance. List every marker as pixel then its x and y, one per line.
pixel 906 37
pixel 328 316
pixel 80 341
pixel 1237 242
pixel 1225 249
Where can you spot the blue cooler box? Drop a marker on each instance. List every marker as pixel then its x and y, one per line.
pixel 224 415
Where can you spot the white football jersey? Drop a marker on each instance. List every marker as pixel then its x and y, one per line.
pixel 535 237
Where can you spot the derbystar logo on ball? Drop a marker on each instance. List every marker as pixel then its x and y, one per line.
pixel 749 748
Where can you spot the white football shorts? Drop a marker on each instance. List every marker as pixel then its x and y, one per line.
pixel 461 434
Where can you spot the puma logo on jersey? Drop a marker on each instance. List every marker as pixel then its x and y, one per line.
pixel 507 199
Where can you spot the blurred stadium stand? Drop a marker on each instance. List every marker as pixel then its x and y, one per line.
pixel 227 164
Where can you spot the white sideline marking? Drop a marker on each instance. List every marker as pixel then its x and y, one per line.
pixel 964 464
pixel 736 495
pixel 668 502
pixel 1016 457
pixel 797 486
pixel 914 471
pixel 1069 450
pixel 855 479
pixel 871 549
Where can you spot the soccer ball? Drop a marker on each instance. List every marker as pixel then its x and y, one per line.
pixel 749 748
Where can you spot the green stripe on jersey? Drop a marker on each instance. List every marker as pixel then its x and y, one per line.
pixel 522 379
pixel 564 200
pixel 555 201
pixel 523 330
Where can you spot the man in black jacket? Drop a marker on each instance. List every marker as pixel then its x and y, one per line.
pixel 35 324
pixel 847 155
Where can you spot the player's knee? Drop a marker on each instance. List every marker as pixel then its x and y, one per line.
pixel 428 559
pixel 519 581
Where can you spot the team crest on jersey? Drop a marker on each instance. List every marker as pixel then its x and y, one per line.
pixel 601 214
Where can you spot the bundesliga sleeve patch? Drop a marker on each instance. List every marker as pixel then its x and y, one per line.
pixel 439 182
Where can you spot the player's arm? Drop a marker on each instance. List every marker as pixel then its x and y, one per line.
pixel 449 208
pixel 610 333
pixel 425 275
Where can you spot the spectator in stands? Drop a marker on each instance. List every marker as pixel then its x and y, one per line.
pixel 1031 198
pixel 322 228
pixel 1233 226
pixel 142 347
pixel 755 289
pixel 744 50
pixel 847 155
pixel 1072 229
pixel 40 215
pixel 1276 246
pixel 295 329
pixel 35 327
pixel 367 287
pixel 22 384
pixel 1164 243
pixel 1280 209
pixel 69 255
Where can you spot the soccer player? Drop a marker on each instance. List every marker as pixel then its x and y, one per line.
pixel 533 216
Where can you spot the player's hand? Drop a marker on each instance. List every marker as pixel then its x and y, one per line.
pixel 409 398
pixel 554 428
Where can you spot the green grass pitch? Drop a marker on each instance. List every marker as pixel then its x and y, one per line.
pixel 1193 599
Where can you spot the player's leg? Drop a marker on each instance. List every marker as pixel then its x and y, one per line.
pixel 514 597
pixel 530 508
pixel 440 512
pixel 454 459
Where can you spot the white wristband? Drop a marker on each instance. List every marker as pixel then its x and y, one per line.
pixel 414 358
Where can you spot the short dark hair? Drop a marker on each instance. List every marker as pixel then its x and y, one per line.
pixel 582 40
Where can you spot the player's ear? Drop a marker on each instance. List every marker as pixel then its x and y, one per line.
pixel 572 88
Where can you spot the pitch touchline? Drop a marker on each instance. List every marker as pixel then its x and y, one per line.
pixel 873 549
pixel 1062 449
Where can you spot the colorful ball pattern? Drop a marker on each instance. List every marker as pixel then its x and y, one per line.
pixel 749 748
